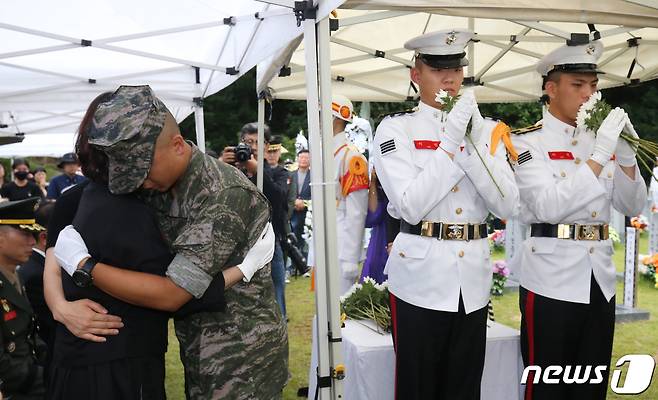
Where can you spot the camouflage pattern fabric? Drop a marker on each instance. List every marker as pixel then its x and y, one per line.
pixel 211 218
pixel 126 128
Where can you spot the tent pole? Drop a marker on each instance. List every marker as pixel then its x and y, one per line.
pixel 199 128
pixel 471 49
pixel 329 348
pixel 261 141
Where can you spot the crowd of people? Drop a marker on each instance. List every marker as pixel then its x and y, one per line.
pixel 154 229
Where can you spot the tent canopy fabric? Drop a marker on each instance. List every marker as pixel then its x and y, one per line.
pixel 55 57
pixel 369 62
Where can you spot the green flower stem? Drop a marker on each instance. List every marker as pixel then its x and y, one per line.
pixel 468 136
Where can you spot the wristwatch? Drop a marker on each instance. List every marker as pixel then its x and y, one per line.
pixel 82 276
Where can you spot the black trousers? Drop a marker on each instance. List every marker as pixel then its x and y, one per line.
pixel 439 355
pixel 555 332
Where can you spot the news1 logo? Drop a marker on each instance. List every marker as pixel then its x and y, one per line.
pixel 637 380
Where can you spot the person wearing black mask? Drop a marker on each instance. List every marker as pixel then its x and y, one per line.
pixel 21 187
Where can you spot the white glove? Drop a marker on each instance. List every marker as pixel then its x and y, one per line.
pixel 458 121
pixel 70 249
pixel 349 270
pixel 624 153
pixel 607 136
pixel 259 255
pixel 476 132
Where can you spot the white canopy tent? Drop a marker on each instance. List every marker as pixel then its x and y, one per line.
pixel 55 57
pixel 365 60
pixel 369 62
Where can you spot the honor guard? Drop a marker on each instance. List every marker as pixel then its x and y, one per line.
pixel 568 177
pixel 351 194
pixel 22 353
pixel 439 268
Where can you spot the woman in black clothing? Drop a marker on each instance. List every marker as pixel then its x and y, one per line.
pixel 21 187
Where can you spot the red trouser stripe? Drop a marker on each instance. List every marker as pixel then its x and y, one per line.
pixel 530 328
pixel 394 320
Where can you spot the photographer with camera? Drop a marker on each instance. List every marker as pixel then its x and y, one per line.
pixel 275 187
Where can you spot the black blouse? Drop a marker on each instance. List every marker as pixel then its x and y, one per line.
pixel 120 231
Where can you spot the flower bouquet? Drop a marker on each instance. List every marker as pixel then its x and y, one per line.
pixel 591 115
pixel 447 104
pixel 614 235
pixel 368 300
pixel 500 274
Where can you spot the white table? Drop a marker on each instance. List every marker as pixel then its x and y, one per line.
pixel 370 364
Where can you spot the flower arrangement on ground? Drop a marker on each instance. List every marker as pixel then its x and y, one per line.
pixel 648 269
pixel 500 274
pixel 368 300
pixel 497 240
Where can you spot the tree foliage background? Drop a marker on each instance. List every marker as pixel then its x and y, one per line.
pixel 228 110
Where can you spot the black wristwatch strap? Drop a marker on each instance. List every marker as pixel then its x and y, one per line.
pixel 89 265
pixel 82 276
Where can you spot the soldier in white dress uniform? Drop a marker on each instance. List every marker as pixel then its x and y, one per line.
pixel 568 177
pixel 439 269
pixel 351 194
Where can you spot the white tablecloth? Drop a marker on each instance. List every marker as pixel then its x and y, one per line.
pixel 370 364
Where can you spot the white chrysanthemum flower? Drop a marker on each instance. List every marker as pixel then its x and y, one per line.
pixel 342 299
pixel 369 280
pixel 385 285
pixel 441 96
pixel 586 108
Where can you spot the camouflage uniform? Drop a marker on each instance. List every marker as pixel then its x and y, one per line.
pixel 210 218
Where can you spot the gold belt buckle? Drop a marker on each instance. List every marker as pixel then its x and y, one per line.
pixel 456 232
pixel 563 231
pixel 587 232
pixel 427 228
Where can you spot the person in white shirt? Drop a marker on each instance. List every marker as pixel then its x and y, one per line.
pixel 439 268
pixel 568 176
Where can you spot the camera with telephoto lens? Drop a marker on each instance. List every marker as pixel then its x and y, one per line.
pixel 242 152
pixel 289 245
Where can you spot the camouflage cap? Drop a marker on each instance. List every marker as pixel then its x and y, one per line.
pixel 125 128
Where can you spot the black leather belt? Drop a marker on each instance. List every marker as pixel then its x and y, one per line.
pixel 446 231
pixel 570 231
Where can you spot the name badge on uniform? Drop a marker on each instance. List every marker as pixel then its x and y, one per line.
pixel 427 144
pixel 10 315
pixel 560 155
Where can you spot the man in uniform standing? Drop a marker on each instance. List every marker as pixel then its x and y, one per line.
pixel 22 353
pixel 351 195
pixel 568 177
pixel 439 270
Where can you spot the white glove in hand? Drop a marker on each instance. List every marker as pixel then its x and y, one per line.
pixel 624 153
pixel 607 136
pixel 349 270
pixel 259 255
pixel 70 249
pixel 458 121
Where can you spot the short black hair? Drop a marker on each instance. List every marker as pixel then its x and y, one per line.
pixel 20 161
pixel 252 128
pixel 43 213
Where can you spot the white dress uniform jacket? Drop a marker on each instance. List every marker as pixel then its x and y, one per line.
pixel 423 184
pixel 557 186
pixel 350 212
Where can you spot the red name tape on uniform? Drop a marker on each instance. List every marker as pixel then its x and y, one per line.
pixel 560 155
pixel 10 315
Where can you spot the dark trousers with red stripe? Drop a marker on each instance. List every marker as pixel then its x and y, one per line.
pixel 555 332
pixel 439 355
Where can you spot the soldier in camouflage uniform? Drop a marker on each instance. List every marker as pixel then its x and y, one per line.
pixel 210 215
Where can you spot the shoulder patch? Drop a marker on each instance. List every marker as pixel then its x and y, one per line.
pixel 387 147
pixel 399 113
pixel 528 129
pixel 524 157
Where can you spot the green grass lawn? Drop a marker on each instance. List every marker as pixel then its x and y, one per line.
pixel 630 338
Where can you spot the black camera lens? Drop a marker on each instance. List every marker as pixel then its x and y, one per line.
pixel 242 152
